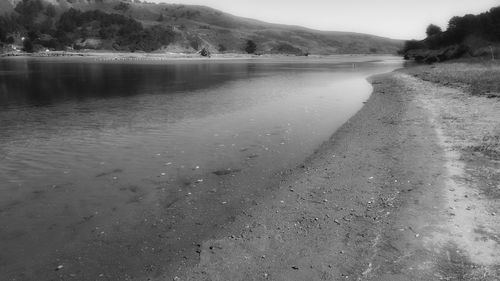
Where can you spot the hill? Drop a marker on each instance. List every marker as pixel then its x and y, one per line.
pixel 181 28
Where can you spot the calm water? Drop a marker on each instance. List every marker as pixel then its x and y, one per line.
pixel 115 170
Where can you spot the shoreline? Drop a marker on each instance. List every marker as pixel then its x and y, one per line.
pixel 381 200
pixel 153 57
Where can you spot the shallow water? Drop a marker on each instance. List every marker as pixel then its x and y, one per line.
pixel 115 170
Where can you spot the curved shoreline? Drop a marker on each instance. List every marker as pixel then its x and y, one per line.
pixel 371 204
pixel 311 230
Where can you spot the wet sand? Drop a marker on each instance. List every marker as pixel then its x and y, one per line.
pixel 406 190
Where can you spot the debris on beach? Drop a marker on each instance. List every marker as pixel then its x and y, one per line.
pixel 226 172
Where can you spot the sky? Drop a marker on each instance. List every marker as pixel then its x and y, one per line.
pixel 398 19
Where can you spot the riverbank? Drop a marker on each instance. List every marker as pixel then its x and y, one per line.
pixel 406 190
pixel 103 56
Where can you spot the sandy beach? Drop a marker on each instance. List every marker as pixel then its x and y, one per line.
pixel 406 190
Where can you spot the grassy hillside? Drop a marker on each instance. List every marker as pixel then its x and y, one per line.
pixel 197 27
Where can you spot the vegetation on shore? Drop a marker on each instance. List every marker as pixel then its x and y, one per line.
pixel 43 28
pixel 470 35
pixel 473 76
pixel 132 25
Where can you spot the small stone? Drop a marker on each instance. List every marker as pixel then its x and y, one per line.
pixel 59 267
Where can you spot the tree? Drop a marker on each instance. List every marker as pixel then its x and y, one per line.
pixel 412 45
pixel 433 30
pixel 251 47
pixel 205 52
pixel 28 45
pixel 29 8
pixel 3 35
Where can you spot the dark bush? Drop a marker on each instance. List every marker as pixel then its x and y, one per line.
pixel 250 47
pixel 222 48
pixel 28 45
pixel 413 45
pixel 205 52
pixel 285 48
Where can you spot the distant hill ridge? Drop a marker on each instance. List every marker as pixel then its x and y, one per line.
pixel 189 28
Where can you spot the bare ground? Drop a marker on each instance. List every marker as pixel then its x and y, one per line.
pixel 408 189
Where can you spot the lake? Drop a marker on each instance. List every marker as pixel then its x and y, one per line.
pixel 115 170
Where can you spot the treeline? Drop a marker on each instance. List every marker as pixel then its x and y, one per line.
pixel 41 27
pixel 485 27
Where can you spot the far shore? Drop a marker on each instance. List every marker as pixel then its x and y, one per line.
pixel 104 56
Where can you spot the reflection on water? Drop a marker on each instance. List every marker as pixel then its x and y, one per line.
pixel 121 168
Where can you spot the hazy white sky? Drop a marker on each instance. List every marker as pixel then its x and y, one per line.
pixel 399 19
